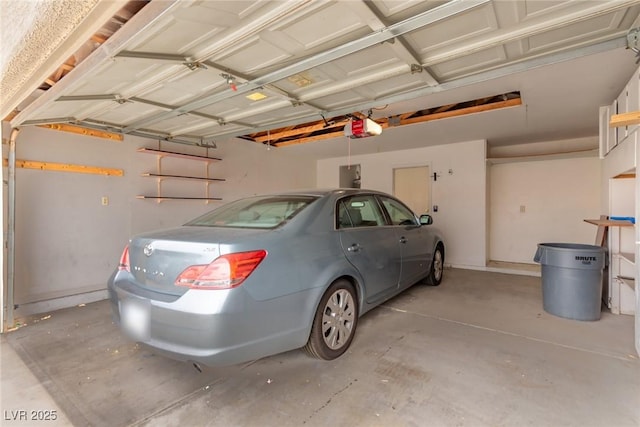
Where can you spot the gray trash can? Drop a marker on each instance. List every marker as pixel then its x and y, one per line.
pixel 571 279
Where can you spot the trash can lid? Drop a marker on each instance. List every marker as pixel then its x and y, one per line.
pixel 571 255
pixel 572 246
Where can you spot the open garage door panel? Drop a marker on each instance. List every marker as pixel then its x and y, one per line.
pixel 196 72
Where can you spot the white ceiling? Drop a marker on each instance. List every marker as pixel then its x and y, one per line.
pixel 161 73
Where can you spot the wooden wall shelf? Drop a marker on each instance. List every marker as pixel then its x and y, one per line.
pixel 625 119
pixel 628 175
pixel 609 222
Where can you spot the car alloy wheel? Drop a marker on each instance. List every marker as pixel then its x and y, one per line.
pixel 334 323
pixel 337 319
pixel 437 267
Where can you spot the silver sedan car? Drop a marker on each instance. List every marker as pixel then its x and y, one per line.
pixel 268 274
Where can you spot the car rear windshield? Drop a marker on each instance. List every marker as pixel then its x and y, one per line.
pixel 254 212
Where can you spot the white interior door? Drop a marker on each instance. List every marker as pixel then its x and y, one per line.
pixel 412 186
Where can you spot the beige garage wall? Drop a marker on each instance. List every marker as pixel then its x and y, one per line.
pixel 460 195
pixel 68 243
pixel 556 195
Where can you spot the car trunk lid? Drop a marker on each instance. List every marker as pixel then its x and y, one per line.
pixel 158 258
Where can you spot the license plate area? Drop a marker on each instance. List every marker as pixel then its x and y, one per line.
pixel 134 318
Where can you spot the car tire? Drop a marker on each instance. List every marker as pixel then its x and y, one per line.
pixel 334 323
pixel 437 267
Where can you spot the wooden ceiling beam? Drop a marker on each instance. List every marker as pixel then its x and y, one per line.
pixel 321 137
pixel 312 131
pixel 483 101
pixel 384 124
pixel 443 108
pixel 98 38
pixel 10 116
pixel 319 125
pixel 463 111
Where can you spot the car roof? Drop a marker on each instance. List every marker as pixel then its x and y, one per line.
pixel 328 191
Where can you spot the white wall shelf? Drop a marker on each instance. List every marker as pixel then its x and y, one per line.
pixel 622 259
pixel 629 281
pixel 620 151
pixel 627 256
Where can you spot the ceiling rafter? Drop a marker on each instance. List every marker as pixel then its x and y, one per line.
pixel 137 24
pixel 472 109
pixel 97 39
pixel 289 132
pixel 325 129
pixel 307 139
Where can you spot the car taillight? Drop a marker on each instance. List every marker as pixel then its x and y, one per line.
pixel 124 260
pixel 226 271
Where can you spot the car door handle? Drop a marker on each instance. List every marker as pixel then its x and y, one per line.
pixel 354 248
pixel 403 240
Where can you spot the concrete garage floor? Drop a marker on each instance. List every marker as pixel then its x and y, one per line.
pixel 476 351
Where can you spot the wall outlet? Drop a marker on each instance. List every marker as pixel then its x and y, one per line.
pixel 523 209
pixel 104 200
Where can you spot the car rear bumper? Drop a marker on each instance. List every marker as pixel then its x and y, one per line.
pixel 211 327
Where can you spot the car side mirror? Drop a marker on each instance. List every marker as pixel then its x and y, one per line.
pixel 426 219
